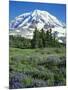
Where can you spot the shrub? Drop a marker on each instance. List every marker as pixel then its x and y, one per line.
pixel 27 82
pixel 14 82
pixel 63 61
pixel 33 59
pixel 17 58
pixel 57 50
pixel 53 60
pixel 59 79
pixel 39 83
pixel 37 71
pixel 63 70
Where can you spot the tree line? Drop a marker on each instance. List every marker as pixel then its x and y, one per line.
pixel 41 39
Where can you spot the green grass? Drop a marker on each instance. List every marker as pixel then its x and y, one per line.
pixel 43 65
pixel 42 52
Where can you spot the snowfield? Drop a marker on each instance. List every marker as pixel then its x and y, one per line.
pixel 26 23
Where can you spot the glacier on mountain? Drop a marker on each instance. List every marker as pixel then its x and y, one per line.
pixel 26 23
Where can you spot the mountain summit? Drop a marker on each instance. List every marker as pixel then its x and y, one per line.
pixel 26 23
pixel 35 19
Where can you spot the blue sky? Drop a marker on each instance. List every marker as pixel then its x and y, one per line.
pixel 17 8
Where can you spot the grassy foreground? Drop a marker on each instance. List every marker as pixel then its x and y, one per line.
pixel 37 67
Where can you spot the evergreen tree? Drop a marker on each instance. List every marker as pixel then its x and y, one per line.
pixel 42 36
pixel 50 37
pixel 47 38
pixel 35 40
pixel 40 43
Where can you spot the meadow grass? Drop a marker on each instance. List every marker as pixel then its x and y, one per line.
pixel 40 67
pixel 42 51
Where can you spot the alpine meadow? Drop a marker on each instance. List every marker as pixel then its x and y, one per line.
pixel 37 45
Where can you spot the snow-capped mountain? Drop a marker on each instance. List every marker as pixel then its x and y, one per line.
pixel 26 23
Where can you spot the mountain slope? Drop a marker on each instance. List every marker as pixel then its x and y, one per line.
pixel 26 23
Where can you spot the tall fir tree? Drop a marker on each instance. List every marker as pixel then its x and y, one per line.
pixel 35 40
pixel 43 39
pixel 47 38
pixel 50 37
pixel 42 36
